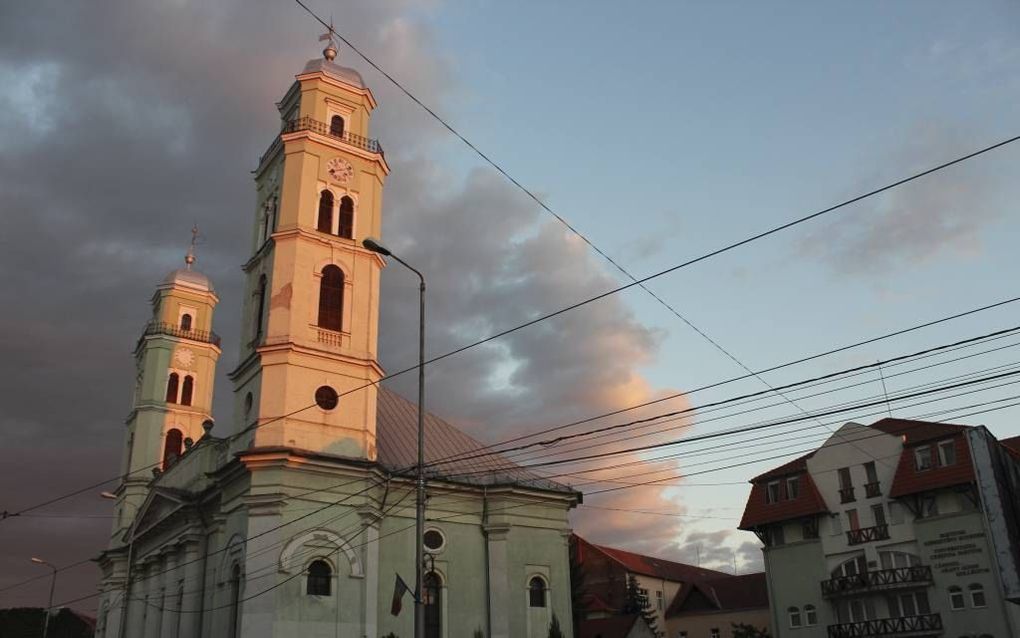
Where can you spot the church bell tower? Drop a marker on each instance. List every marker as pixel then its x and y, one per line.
pixel 310 314
pixel 175 362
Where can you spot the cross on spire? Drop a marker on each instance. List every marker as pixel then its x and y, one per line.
pixel 331 49
pixel 190 257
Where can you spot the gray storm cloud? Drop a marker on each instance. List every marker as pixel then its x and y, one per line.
pixel 122 124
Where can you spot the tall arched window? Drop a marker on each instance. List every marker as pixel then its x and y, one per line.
pixel 172 446
pixel 346 229
pixel 433 605
pixel 171 387
pixel 235 601
pixel 336 126
pixel 320 577
pixel 325 223
pixel 187 389
pixel 260 306
pixel 186 322
pixel 331 298
pixel 536 592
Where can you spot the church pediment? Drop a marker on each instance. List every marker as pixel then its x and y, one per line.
pixel 160 505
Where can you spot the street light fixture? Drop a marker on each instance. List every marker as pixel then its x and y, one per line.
pixel 53 584
pixel 419 519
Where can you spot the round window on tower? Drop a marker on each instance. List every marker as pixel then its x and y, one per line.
pixel 434 540
pixel 326 397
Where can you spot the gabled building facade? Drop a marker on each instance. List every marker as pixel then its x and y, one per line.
pixel 901 528
pixel 711 608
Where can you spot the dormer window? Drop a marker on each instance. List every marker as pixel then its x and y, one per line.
pixel 772 492
pixel 793 487
pixel 922 458
pixel 336 126
pixel 947 453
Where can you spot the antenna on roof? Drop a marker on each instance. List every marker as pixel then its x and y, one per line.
pixel 885 392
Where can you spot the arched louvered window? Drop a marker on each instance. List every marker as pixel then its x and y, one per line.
pixel 336 126
pixel 536 592
pixel 187 389
pixel 320 578
pixel 172 446
pixel 260 307
pixel 171 387
pixel 346 217
pixel 433 587
pixel 325 222
pixel 186 322
pixel 235 602
pixel 331 298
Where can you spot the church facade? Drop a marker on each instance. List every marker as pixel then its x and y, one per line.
pixel 297 517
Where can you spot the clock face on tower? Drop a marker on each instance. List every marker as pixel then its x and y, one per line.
pixel 340 170
pixel 184 357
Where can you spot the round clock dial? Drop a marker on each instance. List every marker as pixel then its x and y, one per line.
pixel 340 170
pixel 184 357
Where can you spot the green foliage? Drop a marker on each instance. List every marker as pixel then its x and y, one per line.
pixel 637 604
pixel 744 630
pixel 478 633
pixel 554 628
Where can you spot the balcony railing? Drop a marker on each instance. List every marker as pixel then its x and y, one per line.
pixel 867 534
pixel 846 495
pixel 905 626
pixel 315 126
pixel 173 330
pixel 877 580
pixel 871 490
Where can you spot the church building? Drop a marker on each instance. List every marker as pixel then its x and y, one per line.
pixel 296 516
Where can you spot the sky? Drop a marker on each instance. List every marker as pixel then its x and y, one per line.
pixel 661 131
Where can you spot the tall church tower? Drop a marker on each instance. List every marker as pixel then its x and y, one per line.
pixel 176 367
pixel 310 311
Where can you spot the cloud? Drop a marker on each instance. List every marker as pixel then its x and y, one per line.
pixel 127 123
pixel 938 216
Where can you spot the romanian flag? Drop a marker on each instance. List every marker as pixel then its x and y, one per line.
pixel 399 589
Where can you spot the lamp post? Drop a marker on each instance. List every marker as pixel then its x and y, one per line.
pixel 53 584
pixel 419 520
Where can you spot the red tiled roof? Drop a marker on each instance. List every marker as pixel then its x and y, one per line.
pixel 1012 446
pixel 916 432
pixel 808 502
pixel 657 567
pixel 747 591
pixel 612 627
pixel 909 480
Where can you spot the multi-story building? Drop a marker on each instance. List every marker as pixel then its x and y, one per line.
pixel 603 573
pixel 901 528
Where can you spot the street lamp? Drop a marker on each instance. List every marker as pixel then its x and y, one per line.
pixel 419 521
pixel 53 584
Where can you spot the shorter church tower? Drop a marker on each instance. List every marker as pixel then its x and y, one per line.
pixel 176 367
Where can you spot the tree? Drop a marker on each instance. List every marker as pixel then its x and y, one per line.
pixel 554 628
pixel 744 630
pixel 637 604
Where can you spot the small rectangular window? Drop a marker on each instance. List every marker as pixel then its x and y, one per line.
pixel 845 481
pixel 792 487
pixel 853 520
pixel 922 458
pixel 777 535
pixel 714 633
pixel 658 600
pixel 772 492
pixel 870 472
pixel 947 453
pixel 879 512
pixel 956 601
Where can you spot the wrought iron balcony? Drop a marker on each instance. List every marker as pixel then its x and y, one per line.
pixel 922 625
pixel 867 534
pixel 322 128
pixel 877 580
pixel 173 330
pixel 871 490
pixel 846 495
